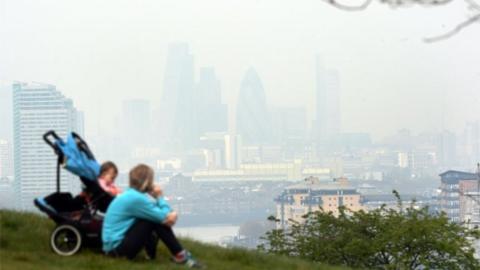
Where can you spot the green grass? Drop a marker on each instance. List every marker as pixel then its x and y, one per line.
pixel 24 244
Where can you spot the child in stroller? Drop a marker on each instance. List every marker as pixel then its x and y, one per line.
pixel 106 178
pixel 78 220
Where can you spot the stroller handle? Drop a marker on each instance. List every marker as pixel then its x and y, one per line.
pixel 83 146
pixel 46 138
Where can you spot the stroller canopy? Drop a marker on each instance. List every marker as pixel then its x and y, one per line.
pixel 77 157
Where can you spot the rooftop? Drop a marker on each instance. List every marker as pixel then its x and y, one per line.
pixel 313 183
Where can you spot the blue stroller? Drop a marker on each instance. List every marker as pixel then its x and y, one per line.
pixel 78 219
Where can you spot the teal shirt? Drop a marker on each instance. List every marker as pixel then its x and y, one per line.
pixel 125 209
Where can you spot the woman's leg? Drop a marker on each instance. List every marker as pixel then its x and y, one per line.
pixel 180 255
pixel 140 235
pixel 151 246
pixel 168 237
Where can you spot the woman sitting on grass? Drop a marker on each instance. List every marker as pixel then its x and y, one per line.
pixel 139 216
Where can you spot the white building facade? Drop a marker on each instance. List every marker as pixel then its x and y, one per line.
pixel 6 159
pixel 39 108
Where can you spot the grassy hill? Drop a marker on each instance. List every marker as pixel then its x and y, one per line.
pixel 24 245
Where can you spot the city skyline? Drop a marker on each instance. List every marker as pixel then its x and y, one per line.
pixel 314 112
pixel 446 148
pixel 255 124
pixel 385 70
pixel 278 158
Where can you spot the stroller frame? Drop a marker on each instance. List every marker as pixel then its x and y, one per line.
pixel 78 219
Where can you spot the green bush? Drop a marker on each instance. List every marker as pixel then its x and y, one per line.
pixel 407 238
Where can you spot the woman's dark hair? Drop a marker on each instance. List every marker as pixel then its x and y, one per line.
pixel 106 166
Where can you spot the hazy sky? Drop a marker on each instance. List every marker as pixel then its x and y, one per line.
pixel 102 52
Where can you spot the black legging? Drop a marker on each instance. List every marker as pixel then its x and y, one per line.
pixel 145 234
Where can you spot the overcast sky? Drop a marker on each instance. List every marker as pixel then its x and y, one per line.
pixel 102 52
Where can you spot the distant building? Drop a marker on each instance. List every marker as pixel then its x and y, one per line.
pixel 180 182
pixel 402 160
pixel 212 115
pixel 317 172
pixel 6 159
pixel 447 149
pixel 213 145
pixel 469 146
pixel 176 121
pixel 262 154
pixel 213 158
pixel 6 112
pixel 233 155
pixel 193 160
pixel 286 171
pixel 353 141
pixel 289 124
pixel 313 194
pixel 449 198
pixel 253 119
pixel 136 122
pixel 37 109
pixel 421 161
pixel 327 124
pixel 79 121
pixel 174 164
pixel 7 194
pixel 251 154
pixel 470 201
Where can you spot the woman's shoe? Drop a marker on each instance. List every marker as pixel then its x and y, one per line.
pixel 189 261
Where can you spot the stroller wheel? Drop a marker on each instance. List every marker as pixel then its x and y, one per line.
pixel 66 240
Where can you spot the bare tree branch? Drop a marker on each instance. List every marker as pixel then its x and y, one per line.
pixel 393 3
pixel 341 6
pixel 454 31
pixel 473 5
pixel 397 3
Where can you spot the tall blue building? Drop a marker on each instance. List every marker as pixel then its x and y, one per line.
pixel 327 122
pixel 38 108
pixel 212 115
pixel 177 126
pixel 253 121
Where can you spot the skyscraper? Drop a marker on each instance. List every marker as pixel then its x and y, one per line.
pixel 289 124
pixel 212 115
pixel 447 149
pixel 135 122
pixel 233 146
pixel 176 119
pixel 253 119
pixel 290 130
pixel 6 159
pixel 327 121
pixel 37 109
pixel 470 144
